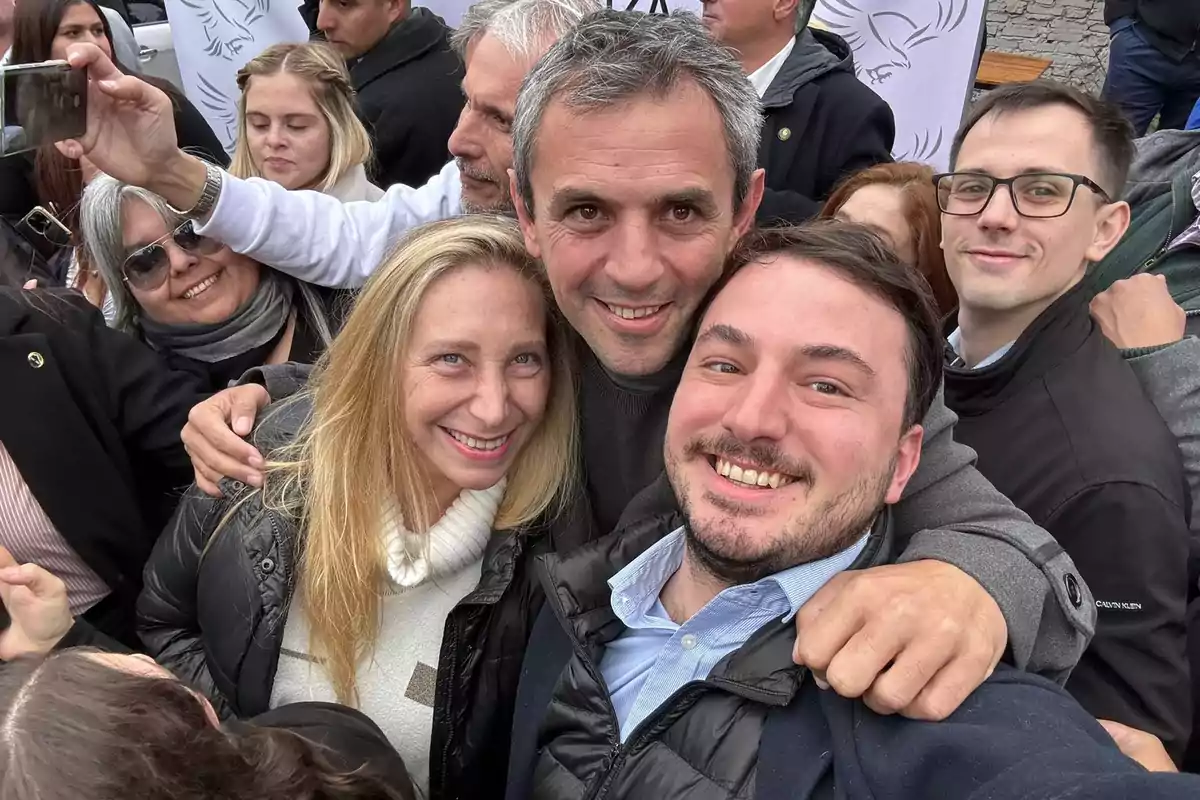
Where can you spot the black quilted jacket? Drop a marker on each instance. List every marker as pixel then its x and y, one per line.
pixel 213 612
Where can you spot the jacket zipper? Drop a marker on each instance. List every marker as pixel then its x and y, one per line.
pixel 684 697
pixel 284 557
pixel 474 600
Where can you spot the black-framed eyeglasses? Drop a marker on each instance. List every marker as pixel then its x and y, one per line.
pixel 146 268
pixel 1040 195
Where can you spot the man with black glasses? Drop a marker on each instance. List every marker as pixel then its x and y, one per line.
pixel 1058 419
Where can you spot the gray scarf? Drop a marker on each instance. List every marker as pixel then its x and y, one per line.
pixel 257 322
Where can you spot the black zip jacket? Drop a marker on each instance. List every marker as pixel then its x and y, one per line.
pixel 1062 427
pixel 214 609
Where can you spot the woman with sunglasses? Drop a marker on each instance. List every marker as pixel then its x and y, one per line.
pixel 205 308
pixel 43 30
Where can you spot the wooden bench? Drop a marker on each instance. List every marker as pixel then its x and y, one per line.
pixel 996 69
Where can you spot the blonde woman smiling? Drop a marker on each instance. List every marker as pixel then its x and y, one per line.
pixel 381 564
pixel 297 125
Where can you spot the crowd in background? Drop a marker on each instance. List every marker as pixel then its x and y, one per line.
pixel 584 403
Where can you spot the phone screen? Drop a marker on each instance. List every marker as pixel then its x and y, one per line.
pixel 41 104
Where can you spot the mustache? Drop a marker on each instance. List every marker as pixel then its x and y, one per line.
pixel 474 172
pixel 768 457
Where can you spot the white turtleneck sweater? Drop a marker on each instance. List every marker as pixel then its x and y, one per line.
pixel 396 682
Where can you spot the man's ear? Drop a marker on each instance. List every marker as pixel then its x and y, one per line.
pixel 782 9
pixel 1111 224
pixel 743 218
pixel 524 216
pixel 907 457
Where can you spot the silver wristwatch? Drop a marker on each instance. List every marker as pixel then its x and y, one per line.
pixel 208 196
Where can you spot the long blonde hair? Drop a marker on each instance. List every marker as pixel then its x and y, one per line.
pixel 354 454
pixel 325 72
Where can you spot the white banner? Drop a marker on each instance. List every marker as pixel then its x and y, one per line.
pixel 215 38
pixel 918 55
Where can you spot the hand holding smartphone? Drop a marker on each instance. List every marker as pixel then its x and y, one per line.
pixel 41 104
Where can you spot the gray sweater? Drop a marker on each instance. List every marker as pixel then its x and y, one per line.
pixel 1171 377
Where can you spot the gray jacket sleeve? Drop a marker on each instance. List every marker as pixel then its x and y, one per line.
pixel 951 513
pixel 1170 376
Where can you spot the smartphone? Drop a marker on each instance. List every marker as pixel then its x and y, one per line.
pixel 5 619
pixel 44 231
pixel 41 104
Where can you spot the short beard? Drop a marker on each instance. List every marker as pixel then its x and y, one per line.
pixel 503 207
pixel 720 548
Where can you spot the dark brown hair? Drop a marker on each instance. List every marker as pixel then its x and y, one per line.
pixel 1112 135
pixel 72 727
pixel 857 254
pixel 921 213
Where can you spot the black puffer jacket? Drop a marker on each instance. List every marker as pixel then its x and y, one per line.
pixel 702 744
pixel 214 607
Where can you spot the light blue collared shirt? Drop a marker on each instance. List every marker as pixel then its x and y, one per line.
pixel 955 341
pixel 654 657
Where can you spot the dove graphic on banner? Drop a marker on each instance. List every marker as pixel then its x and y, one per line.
pixel 222 36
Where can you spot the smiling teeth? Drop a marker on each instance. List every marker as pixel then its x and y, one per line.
pixel 200 287
pixel 750 477
pixel 479 444
pixel 632 313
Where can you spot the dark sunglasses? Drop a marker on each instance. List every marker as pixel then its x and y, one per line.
pixel 146 268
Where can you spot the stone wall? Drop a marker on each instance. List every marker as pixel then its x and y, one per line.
pixel 1069 32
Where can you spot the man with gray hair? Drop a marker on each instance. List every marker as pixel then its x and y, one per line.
pixel 633 223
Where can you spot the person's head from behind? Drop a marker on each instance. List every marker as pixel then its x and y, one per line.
pixel 297 125
pixel 798 416
pixel 354 27
pixel 898 202
pixel 155 265
pixel 499 42
pixel 746 25
pixel 1012 249
pixel 44 29
pixel 636 144
pixel 452 372
pixel 110 727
